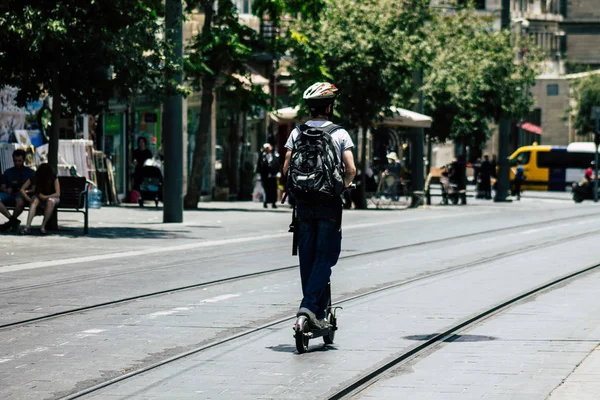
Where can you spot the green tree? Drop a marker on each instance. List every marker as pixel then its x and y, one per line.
pixel 366 49
pixel 223 47
pixel 587 95
pixel 79 53
pixel 471 77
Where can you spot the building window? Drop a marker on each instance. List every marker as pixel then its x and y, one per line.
pixel 552 90
pixel 246 9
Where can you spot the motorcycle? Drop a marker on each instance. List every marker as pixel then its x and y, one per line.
pixel 583 190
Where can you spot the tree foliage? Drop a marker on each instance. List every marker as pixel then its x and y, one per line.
pixel 471 77
pixel 587 95
pixel 80 53
pixel 370 48
pixel 366 49
pixel 274 10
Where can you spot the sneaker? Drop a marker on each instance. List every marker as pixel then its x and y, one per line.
pixel 313 321
pixel 15 223
pixel 5 226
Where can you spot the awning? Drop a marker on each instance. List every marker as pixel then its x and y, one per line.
pixel 531 128
pixel 255 79
pixel 406 119
pixel 400 118
pixel 285 115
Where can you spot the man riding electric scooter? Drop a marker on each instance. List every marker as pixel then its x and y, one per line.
pixel 316 193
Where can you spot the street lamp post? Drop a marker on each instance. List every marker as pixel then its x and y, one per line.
pixel 503 181
pixel 173 120
pixel 596 117
pixel 418 147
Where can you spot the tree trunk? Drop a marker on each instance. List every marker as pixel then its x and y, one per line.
pixel 194 188
pixel 52 224
pixel 55 129
pixel 130 141
pixel 234 144
pixel 242 171
pixel 363 170
pixel 39 118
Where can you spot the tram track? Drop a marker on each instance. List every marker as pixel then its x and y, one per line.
pixel 360 382
pixel 95 276
pixel 250 275
pixel 357 386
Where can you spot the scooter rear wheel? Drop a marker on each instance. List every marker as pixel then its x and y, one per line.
pixel 328 339
pixel 302 339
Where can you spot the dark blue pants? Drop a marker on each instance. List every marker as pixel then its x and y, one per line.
pixel 319 246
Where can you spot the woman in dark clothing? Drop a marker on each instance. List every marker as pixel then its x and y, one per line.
pixel 45 193
pixel 140 155
pixel 485 175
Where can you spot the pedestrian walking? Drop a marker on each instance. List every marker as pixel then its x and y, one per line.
pixel 268 169
pixel 458 176
pixel 519 179
pixel 316 193
pixel 485 177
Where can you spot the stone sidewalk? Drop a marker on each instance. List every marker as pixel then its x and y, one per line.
pixel 522 353
pixel 129 227
pixel 583 383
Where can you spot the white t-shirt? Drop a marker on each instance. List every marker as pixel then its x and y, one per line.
pixel 341 138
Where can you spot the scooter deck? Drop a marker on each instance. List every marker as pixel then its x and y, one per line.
pixel 315 333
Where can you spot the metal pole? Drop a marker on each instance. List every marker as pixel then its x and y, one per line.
pixel 596 174
pixel 418 150
pixel 503 181
pixel 173 121
pixel 596 158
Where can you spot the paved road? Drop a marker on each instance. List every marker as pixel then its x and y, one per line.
pixel 448 263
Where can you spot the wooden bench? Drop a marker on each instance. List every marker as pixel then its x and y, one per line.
pixel 73 198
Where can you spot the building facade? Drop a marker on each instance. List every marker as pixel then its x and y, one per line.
pixel 569 32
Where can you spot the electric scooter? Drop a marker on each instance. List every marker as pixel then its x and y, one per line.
pixel 303 332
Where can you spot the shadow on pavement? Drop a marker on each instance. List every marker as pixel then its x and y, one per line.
pixel 283 348
pixel 288 348
pixel 279 209
pixel 113 233
pixel 257 210
pixel 453 338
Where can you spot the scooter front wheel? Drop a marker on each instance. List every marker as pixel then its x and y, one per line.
pixel 300 336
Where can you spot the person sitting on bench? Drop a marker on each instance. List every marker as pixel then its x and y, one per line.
pixel 11 181
pixel 46 194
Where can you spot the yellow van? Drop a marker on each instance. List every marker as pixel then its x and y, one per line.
pixel 553 168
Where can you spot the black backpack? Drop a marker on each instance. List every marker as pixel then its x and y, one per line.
pixel 314 174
